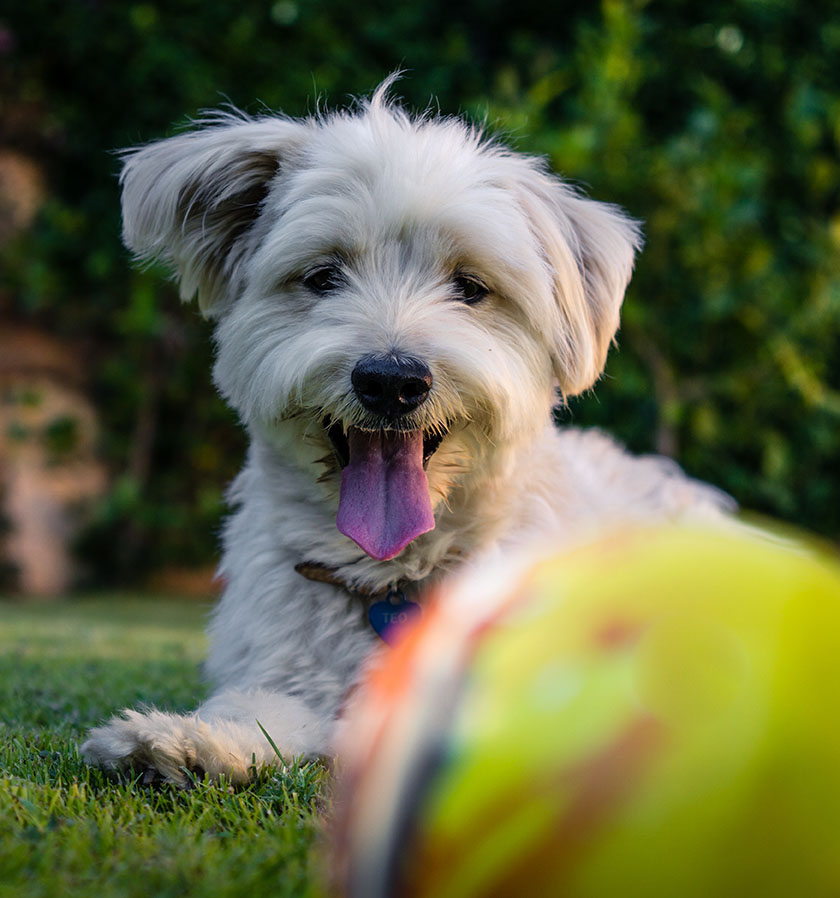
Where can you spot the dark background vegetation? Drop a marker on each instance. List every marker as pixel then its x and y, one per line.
pixel 715 123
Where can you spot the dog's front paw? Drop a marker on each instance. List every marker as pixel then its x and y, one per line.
pixel 169 747
pixel 228 736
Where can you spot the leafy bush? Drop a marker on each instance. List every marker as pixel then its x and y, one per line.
pixel 713 123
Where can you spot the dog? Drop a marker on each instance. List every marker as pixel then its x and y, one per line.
pixel 399 302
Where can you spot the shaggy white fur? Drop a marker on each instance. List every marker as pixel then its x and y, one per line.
pixel 373 234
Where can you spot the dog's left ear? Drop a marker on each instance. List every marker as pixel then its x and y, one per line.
pixel 589 248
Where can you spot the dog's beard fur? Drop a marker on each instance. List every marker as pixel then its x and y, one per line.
pixel 402 210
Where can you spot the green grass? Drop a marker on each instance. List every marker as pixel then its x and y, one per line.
pixel 67 830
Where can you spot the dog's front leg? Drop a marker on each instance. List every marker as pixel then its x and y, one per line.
pixel 282 660
pixel 225 737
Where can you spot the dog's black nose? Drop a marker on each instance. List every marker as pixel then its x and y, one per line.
pixel 391 386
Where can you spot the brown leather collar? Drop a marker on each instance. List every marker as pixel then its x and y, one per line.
pixel 322 573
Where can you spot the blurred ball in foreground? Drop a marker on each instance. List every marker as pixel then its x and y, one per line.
pixel 657 714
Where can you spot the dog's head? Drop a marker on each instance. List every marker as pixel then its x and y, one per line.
pixel 398 298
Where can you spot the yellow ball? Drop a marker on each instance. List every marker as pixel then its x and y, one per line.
pixel 657 714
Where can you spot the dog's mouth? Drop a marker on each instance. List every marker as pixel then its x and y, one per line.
pixel 341 445
pixel 384 502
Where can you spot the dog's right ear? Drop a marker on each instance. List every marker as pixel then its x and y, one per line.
pixel 192 200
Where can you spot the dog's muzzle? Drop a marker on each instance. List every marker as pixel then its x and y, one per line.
pixel 384 500
pixel 390 387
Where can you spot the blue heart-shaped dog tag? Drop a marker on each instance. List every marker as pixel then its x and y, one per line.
pixel 389 616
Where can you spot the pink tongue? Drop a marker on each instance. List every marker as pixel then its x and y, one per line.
pixel 384 502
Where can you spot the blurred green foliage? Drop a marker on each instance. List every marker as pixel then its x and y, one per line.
pixel 715 123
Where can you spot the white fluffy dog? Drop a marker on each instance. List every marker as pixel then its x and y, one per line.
pixel 398 301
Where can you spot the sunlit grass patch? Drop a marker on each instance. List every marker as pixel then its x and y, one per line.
pixel 67 829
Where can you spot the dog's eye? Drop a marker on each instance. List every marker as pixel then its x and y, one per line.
pixel 470 289
pixel 324 279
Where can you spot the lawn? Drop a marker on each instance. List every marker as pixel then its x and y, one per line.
pixel 67 830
